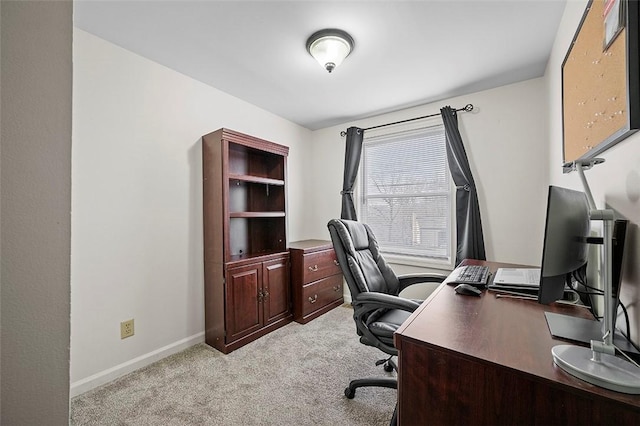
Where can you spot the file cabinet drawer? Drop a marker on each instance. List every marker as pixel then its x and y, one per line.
pixel 321 293
pixel 316 279
pixel 319 265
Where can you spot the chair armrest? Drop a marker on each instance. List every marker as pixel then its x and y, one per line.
pixel 373 301
pixel 410 279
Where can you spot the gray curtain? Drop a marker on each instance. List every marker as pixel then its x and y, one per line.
pixel 470 243
pixel 352 154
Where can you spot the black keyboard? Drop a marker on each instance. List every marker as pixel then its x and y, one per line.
pixel 476 275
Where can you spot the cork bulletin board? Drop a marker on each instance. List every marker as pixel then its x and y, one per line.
pixel 601 79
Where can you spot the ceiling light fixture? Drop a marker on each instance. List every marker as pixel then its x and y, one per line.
pixel 329 47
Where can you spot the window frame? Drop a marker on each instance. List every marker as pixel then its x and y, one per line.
pixel 400 259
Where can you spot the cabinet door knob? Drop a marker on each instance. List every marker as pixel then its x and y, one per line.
pixel 336 262
pixel 337 287
pixel 262 294
pixel 313 299
pixel 313 268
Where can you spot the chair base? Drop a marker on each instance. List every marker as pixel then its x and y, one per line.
pixel 350 392
pixel 394 419
pixel 389 364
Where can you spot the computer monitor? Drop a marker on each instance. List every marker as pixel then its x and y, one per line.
pixel 597 364
pixel 565 241
pixel 619 238
pixel 566 248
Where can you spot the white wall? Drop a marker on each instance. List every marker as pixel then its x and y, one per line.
pixel 137 205
pixel 505 142
pixel 36 202
pixel 615 183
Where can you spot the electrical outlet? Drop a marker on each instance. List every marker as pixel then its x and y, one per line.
pixel 126 329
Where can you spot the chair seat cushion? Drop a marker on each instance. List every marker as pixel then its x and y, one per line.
pixel 384 322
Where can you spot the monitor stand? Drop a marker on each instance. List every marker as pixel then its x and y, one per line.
pixel 600 369
pixel 598 364
pixel 608 371
pixel 583 330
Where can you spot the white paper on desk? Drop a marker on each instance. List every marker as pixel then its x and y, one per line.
pixel 518 277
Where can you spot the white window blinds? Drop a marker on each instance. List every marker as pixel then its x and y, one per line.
pixel 406 192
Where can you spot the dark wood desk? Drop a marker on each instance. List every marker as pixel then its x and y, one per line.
pixel 484 360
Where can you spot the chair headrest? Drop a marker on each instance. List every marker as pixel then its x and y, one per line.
pixel 359 235
pixel 363 267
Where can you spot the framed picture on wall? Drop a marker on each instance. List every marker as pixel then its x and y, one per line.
pixel 614 15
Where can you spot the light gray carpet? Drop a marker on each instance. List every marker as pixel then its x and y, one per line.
pixel 293 376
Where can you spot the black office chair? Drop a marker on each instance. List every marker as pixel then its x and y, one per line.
pixel 374 287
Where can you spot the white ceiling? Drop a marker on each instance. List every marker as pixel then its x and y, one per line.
pixel 406 53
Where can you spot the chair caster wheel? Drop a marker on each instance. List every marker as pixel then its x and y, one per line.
pixel 350 393
pixel 388 368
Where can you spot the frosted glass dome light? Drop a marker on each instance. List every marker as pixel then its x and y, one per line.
pixel 329 47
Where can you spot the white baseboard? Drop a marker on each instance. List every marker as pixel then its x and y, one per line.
pixel 347 298
pixel 106 376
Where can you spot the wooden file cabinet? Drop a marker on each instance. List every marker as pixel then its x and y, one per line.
pixel 316 279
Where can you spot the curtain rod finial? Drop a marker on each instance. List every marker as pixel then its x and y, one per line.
pixel 468 107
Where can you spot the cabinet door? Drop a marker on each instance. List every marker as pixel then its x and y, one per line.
pixel 244 309
pixel 276 288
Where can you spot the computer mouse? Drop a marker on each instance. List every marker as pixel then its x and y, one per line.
pixel 467 290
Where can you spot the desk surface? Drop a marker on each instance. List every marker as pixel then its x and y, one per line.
pixel 505 332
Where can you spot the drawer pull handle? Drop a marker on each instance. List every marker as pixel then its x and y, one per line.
pixel 313 268
pixel 337 287
pixel 313 299
pixel 336 262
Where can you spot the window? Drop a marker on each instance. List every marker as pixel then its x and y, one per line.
pixel 406 193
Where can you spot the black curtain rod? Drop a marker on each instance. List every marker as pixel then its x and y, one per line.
pixel 467 108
